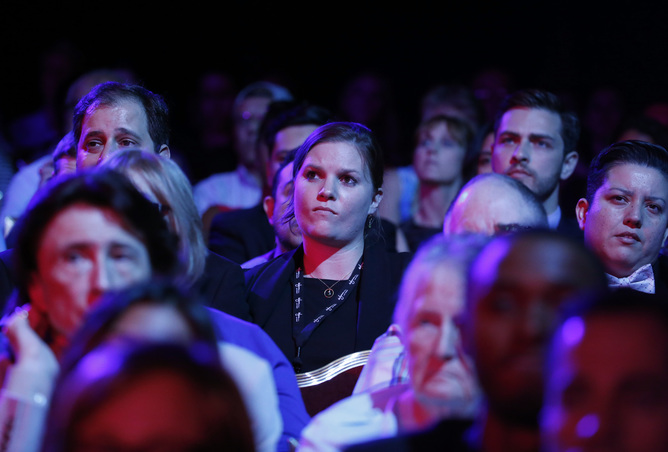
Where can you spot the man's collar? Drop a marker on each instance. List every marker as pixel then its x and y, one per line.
pixel 554 218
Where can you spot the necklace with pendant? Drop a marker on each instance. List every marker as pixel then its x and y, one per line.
pixel 329 291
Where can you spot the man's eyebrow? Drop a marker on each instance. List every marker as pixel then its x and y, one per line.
pixel 541 136
pixel 124 131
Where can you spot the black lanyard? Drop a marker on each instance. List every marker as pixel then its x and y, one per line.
pixel 301 330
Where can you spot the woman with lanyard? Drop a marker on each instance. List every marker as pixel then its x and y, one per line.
pixel 335 294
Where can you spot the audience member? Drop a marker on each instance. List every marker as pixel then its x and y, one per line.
pixel 219 280
pixel 287 235
pixel 535 143
pixel 148 396
pixel 338 177
pixel 161 311
pixel 85 235
pixel 243 234
pixel 515 287
pixel 624 215
pixel 607 373
pixel 401 183
pixel 493 204
pixel 110 247
pixel 441 382
pixel 28 178
pixel 241 188
pixel 442 144
pixel 117 116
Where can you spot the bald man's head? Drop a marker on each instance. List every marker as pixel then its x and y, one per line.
pixel 494 203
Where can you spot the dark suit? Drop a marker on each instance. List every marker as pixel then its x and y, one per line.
pixel 222 286
pixel 240 235
pixel 569 226
pixel 269 294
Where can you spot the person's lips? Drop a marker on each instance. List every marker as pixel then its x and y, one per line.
pixel 518 171
pixel 324 209
pixel 628 237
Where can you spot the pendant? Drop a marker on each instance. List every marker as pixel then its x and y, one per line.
pixel 329 293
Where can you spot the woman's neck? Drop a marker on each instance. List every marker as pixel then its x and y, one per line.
pixel 330 262
pixel 433 203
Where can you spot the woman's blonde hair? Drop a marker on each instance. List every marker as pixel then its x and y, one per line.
pixel 173 190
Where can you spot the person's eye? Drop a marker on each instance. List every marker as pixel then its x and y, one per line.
pixel 618 199
pixel 655 208
pixel 127 142
pixel 94 146
pixel 348 180
pixel 72 256
pixel 544 144
pixel 310 175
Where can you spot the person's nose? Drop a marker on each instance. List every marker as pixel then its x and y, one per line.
pixel 538 320
pixel 448 340
pixel 104 276
pixel 633 215
pixel 521 153
pixel 327 189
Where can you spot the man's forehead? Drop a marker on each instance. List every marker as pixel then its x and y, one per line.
pixel 526 120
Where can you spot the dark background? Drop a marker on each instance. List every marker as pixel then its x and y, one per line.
pixel 566 46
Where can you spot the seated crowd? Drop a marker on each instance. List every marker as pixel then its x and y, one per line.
pixel 317 299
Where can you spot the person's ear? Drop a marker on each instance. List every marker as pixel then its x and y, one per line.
pixel 375 202
pixel 581 210
pixel 569 164
pixel 268 204
pixel 165 152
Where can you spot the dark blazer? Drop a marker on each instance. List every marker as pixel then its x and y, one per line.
pixel 222 286
pixel 240 235
pixel 569 226
pixel 269 294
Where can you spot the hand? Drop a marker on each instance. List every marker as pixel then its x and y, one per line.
pixel 30 351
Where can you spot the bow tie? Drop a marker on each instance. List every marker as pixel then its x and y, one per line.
pixel 641 280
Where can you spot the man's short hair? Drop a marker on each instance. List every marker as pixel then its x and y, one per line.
pixel 544 100
pixel 289 158
pixel 289 113
pixel 102 188
pixel 111 93
pixel 631 152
